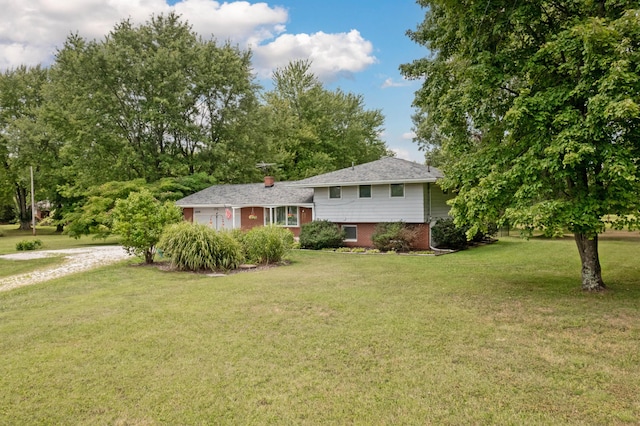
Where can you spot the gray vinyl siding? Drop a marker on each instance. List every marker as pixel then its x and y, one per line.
pixel 381 207
pixel 439 206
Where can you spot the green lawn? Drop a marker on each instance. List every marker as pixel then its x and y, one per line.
pixel 51 241
pixel 494 335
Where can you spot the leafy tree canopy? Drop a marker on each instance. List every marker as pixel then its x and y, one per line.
pixel 315 130
pixel 25 139
pixel 90 211
pixel 153 101
pixel 536 106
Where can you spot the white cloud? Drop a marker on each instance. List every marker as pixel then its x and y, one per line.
pixel 404 154
pixel 32 30
pixel 390 83
pixel 240 21
pixel 332 55
pixel 409 135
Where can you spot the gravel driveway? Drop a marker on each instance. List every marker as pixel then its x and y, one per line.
pixel 76 260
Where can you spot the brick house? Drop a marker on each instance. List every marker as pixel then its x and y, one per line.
pixel 248 205
pixel 355 198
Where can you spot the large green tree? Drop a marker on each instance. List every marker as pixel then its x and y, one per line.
pixel 536 105
pixel 153 101
pixel 25 139
pixel 315 130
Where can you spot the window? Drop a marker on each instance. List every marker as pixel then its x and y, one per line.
pixel 335 192
pixel 351 232
pixel 292 216
pixel 285 216
pixel 364 191
pixel 397 189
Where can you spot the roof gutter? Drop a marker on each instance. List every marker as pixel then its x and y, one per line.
pixel 379 182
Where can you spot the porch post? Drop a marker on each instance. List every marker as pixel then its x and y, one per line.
pixel 233 218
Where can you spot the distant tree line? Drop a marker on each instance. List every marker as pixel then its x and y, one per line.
pixel 155 106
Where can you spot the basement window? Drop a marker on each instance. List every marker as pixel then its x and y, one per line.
pixel 351 232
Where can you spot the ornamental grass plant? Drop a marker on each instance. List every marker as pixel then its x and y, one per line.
pixel 196 247
pixel 267 244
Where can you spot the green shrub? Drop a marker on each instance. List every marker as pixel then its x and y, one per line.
pixel 394 236
pixel 140 220
pixel 28 245
pixel 446 235
pixel 195 247
pixel 267 244
pixel 492 229
pixel 321 234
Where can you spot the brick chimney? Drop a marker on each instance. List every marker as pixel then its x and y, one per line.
pixel 269 181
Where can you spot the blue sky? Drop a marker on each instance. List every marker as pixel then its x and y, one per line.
pixel 383 23
pixel 355 45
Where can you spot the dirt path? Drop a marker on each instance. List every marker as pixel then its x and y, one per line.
pixel 76 260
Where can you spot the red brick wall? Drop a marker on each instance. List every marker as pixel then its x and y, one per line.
pixel 422 242
pixel 251 223
pixel 306 215
pixel 366 230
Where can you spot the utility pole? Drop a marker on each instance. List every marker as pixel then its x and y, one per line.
pixel 33 206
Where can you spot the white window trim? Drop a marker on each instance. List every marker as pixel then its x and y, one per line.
pixel 329 192
pixel 351 226
pixel 297 214
pixel 404 190
pixel 270 218
pixel 370 192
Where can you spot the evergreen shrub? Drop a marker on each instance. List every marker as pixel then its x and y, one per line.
pixel 394 236
pixel 446 235
pixel 321 234
pixel 195 247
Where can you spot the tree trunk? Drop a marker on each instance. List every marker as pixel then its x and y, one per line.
pixel 148 256
pixel 591 271
pixel 24 214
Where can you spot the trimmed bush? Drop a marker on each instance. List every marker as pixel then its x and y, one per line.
pixel 195 247
pixel 28 245
pixel 321 234
pixel 394 236
pixel 446 235
pixel 267 244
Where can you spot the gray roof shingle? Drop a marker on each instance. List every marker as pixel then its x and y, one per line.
pixel 251 194
pixel 383 171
